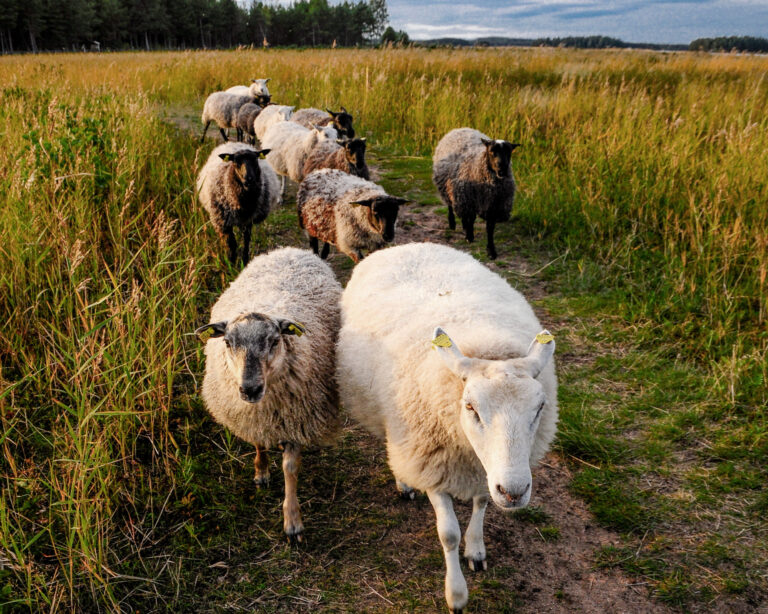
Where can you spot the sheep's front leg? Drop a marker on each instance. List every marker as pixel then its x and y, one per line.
pixel 451 218
pixel 291 515
pixel 315 245
pixel 490 247
pixel 450 536
pixel 468 225
pixel 246 243
pixel 474 548
pixel 261 466
pixel 229 233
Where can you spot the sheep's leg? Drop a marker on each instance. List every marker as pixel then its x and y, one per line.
pixel 474 548
pixel 238 135
pixel 456 593
pixel 246 243
pixel 315 245
pixel 406 492
pixel 202 138
pixel 231 245
pixel 451 218
pixel 224 135
pixel 291 515
pixel 282 186
pixel 326 249
pixel 468 224
pixel 261 466
pixel 490 247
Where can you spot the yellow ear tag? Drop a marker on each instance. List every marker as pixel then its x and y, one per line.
pixel 262 156
pixel 205 334
pixel 442 341
pixel 295 330
pixel 544 338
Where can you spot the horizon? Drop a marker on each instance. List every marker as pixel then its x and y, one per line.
pixel 660 22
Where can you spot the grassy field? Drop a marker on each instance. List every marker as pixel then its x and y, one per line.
pixel 641 229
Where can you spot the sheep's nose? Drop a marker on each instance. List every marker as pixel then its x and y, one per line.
pixel 513 496
pixel 252 394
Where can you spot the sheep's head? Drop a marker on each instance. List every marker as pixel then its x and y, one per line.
pixel 354 152
pixel 382 213
pixel 246 165
pixel 342 121
pixel 258 88
pixel 263 100
pixel 254 347
pixel 501 407
pixel 499 156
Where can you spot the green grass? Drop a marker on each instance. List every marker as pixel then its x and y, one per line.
pixel 639 227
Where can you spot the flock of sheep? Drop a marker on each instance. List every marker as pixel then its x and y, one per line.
pixel 425 347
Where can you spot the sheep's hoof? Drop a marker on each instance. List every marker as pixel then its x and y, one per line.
pixel 492 255
pixel 477 564
pixel 261 481
pixel 457 610
pixel 294 539
pixel 407 495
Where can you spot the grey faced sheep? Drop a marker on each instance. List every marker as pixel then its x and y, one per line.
pixel 222 108
pixel 342 120
pixel 473 175
pixel 290 144
pixel 265 379
pixel 346 211
pixel 237 188
pixel 345 154
pixel 257 89
pixel 464 416
pixel 270 115
pixel 244 121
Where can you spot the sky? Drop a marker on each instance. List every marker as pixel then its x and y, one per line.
pixel 647 21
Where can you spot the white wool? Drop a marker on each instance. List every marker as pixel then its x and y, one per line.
pixel 271 114
pixel 290 144
pixel 258 87
pixel 394 384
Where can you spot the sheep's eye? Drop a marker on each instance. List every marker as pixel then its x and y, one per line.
pixel 471 408
pixel 538 412
pixel 228 344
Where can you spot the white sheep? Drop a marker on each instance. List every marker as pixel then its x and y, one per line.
pixel 267 381
pixel 473 175
pixel 257 89
pixel 237 188
pixel 222 108
pixel 346 211
pixel 464 416
pixel 290 144
pixel 271 114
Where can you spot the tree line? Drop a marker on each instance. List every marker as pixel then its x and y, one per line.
pixel 73 25
pixel 752 44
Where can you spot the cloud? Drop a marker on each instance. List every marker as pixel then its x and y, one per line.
pixel 655 21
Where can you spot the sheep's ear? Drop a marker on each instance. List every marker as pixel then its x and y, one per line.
pixel 343 110
pixel 486 142
pixel 265 80
pixel 512 146
pixel 396 200
pixel 287 327
pixel 227 157
pixel 263 153
pixel 363 139
pixel 539 353
pixel 331 112
pixel 368 202
pixel 450 353
pixel 211 331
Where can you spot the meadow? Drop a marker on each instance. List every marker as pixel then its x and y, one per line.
pixel 640 229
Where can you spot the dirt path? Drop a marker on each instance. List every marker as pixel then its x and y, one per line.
pixel 545 564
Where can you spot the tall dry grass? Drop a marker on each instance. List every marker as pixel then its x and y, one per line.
pixel 651 165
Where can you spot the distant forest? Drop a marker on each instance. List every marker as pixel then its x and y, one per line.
pixel 729 43
pixel 73 25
